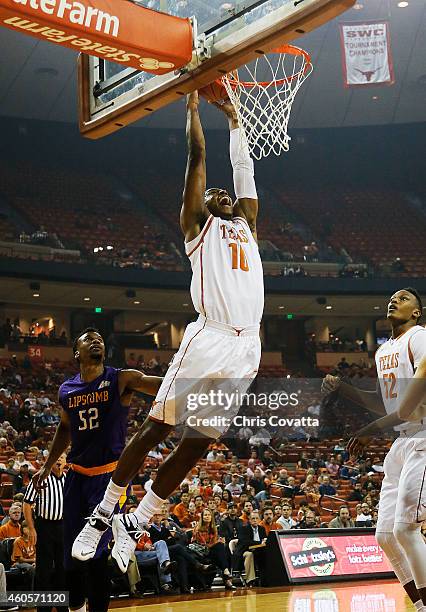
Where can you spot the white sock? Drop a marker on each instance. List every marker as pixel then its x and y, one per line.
pixel 150 505
pixel 111 497
pixel 419 606
pixel 82 609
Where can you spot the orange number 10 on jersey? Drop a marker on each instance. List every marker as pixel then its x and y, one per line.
pixel 239 259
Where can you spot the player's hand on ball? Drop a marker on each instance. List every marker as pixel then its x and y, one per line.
pixel 330 384
pixel 39 478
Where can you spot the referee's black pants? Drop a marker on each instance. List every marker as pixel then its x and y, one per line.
pixel 49 574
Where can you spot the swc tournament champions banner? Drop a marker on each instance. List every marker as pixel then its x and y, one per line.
pixel 366 53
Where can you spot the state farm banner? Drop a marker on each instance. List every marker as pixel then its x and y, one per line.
pixel 366 53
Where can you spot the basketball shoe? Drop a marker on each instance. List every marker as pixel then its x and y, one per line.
pixel 86 543
pixel 127 532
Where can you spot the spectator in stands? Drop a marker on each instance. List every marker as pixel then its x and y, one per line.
pixel 257 481
pixel 247 510
pixel 343 364
pixel 317 462
pixel 22 479
pixel 285 521
pixel 182 508
pixel 190 520
pixel 291 489
pixel 277 511
pixel 147 486
pixel 364 519
pixel 303 462
pixel 211 505
pixel 332 467
pixel 268 521
pixel 343 520
pixel 231 524
pixel 212 455
pixel 8 468
pixel 234 487
pixel 310 489
pixel 206 535
pixel 369 483
pixel 147 550
pixel 164 529
pixel 282 477
pixel 251 534
pixel 20 460
pixel 267 459
pixel 21 442
pixel 12 529
pixel 23 555
pixel 199 503
pixel 325 487
pixel 226 498
pixel 155 453
pixel 308 521
pixel 356 494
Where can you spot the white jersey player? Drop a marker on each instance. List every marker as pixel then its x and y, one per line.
pixel 402 506
pixel 220 352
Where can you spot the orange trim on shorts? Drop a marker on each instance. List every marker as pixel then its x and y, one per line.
pixel 94 471
pixel 157 420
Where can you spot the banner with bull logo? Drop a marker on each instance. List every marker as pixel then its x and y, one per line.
pixel 366 53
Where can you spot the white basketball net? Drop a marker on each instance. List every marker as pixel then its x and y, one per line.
pixel 263 93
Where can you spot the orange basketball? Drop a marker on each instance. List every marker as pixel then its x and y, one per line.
pixel 214 92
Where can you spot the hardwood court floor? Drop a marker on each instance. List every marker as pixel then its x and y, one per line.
pixel 368 596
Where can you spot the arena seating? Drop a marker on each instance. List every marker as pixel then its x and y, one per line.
pixel 359 221
pixel 139 218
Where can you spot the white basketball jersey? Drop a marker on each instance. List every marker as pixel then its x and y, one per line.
pixel 227 273
pixel 396 362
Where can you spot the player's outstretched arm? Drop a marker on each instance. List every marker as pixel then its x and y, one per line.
pixel 413 402
pixel 370 400
pixel 134 380
pixel 194 212
pixel 247 204
pixel 61 442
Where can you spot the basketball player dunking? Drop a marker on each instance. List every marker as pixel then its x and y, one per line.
pixel 400 362
pixel 95 406
pixel 221 350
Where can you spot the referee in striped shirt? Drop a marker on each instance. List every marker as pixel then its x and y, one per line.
pixel 46 529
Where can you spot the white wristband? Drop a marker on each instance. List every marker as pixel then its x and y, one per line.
pixel 242 164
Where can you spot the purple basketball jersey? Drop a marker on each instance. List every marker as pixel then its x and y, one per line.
pixel 98 419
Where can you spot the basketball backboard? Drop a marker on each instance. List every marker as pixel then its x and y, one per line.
pixel 226 35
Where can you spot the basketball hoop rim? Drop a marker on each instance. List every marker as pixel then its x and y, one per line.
pixel 234 81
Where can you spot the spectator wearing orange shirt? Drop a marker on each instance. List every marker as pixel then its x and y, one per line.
pixel 12 529
pixel 268 521
pixel 247 510
pixel 182 509
pixel 206 535
pixel 23 555
pixel 191 519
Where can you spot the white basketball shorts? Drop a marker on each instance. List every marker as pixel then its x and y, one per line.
pixel 214 366
pixel 403 494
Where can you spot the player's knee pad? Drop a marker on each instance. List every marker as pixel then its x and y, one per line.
pixel 396 556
